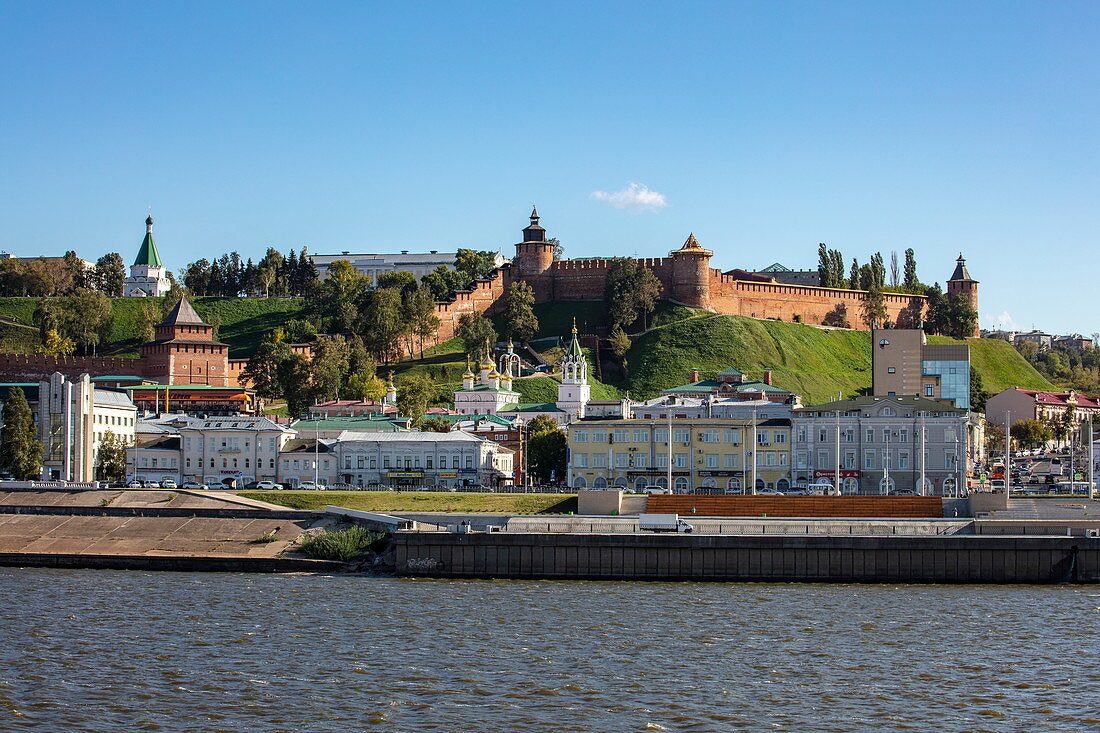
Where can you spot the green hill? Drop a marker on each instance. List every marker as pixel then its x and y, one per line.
pixel 244 321
pixel 814 362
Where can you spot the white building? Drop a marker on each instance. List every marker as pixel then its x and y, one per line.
pixel 413 459
pixel 708 407
pixel 73 417
pixel 215 451
pixel 148 275
pixel 375 266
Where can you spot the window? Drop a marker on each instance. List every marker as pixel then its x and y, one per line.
pixel 712 460
pixel 903 436
pixel 622 460
pixel 599 436
pixel 454 461
pixel 929 390
pixel 621 435
pixel 822 459
pixel 769 458
pixel 868 459
pixel 903 460
pixel 641 436
pixel 849 435
pixel 599 460
pixel 850 459
pixel 762 438
pixel 641 460
pixel 709 436
pixel 662 460
pixel 682 435
pixel 580 436
pixel 469 461
pixel 731 460
pixel 801 459
pixel 888 412
pixel 733 437
pixel 949 461
pixel 429 463
pixel 780 437
pixel 870 436
pixel 680 484
pixel 347 463
pixel 801 435
pixel 660 435
pixel 822 435
pixel 891 370
pixel 580 460
pixel 680 460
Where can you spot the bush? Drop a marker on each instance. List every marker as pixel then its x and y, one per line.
pixel 341 544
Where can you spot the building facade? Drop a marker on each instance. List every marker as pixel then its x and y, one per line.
pixel 374 266
pixel 184 350
pixel 885 444
pixel 705 455
pixel 904 363
pixel 410 460
pixel 1013 405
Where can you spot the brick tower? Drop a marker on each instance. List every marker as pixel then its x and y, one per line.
pixel 963 285
pixel 534 256
pixel 184 350
pixel 691 274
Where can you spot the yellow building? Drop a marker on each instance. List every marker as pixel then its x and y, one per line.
pixel 706 455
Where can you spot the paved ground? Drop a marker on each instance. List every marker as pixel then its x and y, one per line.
pixel 132 498
pixel 1051 508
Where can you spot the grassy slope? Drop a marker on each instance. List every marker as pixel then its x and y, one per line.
pixel 814 362
pixel 244 321
pixel 421 501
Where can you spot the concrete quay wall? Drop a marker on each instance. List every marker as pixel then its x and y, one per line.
pixel 212 564
pixel 894 559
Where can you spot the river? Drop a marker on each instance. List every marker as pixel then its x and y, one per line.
pixel 125 651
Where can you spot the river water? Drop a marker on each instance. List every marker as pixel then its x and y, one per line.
pixel 123 651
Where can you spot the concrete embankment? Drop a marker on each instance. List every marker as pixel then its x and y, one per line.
pixel 893 559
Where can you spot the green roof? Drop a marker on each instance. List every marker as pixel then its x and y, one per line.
pixel 531 407
pixel 148 254
pixel 474 418
pixel 730 372
pixel 347 423
pixel 163 387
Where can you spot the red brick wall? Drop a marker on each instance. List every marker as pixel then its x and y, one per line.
pixel 31 367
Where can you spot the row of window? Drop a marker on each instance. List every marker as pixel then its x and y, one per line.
pixel 679 460
pixel 230 443
pixel 897 460
pixel 731 436
pixel 888 435
pixel 407 462
pixel 101 419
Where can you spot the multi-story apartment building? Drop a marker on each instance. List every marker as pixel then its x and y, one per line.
pixel 885 444
pixel 1013 405
pixel 703 454
pixel 73 417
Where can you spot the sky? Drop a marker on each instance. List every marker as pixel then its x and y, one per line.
pixel 764 128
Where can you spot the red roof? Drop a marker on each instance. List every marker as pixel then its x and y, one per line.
pixel 1063 399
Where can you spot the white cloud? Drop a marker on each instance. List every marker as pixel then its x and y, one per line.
pixel 634 196
pixel 1004 322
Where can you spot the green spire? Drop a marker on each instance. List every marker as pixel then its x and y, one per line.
pixel 148 254
pixel 574 346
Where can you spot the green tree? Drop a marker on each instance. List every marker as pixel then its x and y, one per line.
pixel 262 370
pixel 329 366
pixel 519 318
pixel 110 274
pixel 874 308
pixel 145 322
pixel 57 345
pixel 381 323
pixel 1030 433
pixel 443 282
pixel 824 266
pixel 909 270
pixel 111 458
pixel 362 386
pixel 978 393
pixel 476 331
pixel 994 437
pixel 20 449
pixel 339 296
pixel 299 331
pixel 475 265
pixel 402 280
pixel 961 318
pixel 630 292
pixel 853 276
pixel 293 374
pixel 414 394
pixel 418 313
pixel 435 425
pixel 546 453
pixel 89 318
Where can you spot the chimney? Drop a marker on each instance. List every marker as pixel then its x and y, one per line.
pixel 767 376
pixel 693 375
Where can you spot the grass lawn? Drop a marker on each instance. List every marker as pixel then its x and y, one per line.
pixel 421 501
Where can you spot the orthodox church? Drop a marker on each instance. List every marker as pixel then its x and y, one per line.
pixel 148 275
pixel 489 392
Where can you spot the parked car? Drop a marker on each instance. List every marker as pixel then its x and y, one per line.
pixel 822 489
pixel 168 483
pixel 998 484
pixel 150 484
pixel 268 486
pixel 194 486
pixel 311 486
pixel 654 489
pixel 135 484
pixel 252 486
pixel 910 492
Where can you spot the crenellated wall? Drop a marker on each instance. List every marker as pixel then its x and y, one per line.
pixel 31 367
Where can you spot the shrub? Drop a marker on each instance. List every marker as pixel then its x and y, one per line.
pixel 341 544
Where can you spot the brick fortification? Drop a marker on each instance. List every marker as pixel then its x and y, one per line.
pixel 687 278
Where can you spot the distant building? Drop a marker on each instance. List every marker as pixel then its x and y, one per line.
pixel 148 275
pixel 184 351
pixel 1013 405
pixel 1039 338
pixel 787 276
pixel 903 363
pixel 1075 341
pixel 375 266
pixel 885 443
pixel 352 408
pixel 414 459
pixel 731 384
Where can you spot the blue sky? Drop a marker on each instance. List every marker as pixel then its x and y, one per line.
pixel 764 128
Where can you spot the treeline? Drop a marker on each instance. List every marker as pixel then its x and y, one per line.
pixel 873 275
pixel 1069 368
pixel 230 276
pixel 54 276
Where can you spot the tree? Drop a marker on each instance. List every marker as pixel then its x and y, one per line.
pixel 339 296
pixel 111 458
pixel 20 449
pixel 418 312
pixel 853 276
pixel 89 318
pixel 541 423
pixel 874 308
pixel 364 386
pixel 414 395
pixel 519 314
pixel 381 323
pixel 824 266
pixel 836 268
pixel 476 331
pixel 329 366
pixel 630 291
pixel 174 295
pixel 619 344
pixel 546 453
pixel 1030 432
pixel 894 269
pixel 978 393
pixel 266 275
pixel 475 265
pixel 443 282
pixel 145 322
pixel 293 374
pixel 912 283
pixel 110 274
pixel 299 331
pixel 76 272
pixel 57 345
pixel 262 370
pixel 961 318
pixel 402 280
pixel 435 425
pixel 49 315
pixel 994 437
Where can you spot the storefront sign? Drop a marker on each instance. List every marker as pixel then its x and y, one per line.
pixel 843 474
pixel 405 474
pixel 447 474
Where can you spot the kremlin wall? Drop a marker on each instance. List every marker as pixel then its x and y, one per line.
pixel 184 351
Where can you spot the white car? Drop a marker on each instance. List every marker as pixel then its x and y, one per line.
pixel 268 486
pixel 656 490
pixel 168 483
pixel 194 486
pixel 311 486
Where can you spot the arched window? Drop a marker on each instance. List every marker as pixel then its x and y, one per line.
pixel 782 484
pixel 620 482
pixel 926 489
pixel 888 412
pixel 599 483
pixel 639 483
pixel 851 486
pixel 680 485
pixel 710 483
pixel 662 482
pixel 760 485
pixel 580 483
pixel 734 484
pixel 885 485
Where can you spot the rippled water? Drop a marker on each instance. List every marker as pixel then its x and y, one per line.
pixel 111 651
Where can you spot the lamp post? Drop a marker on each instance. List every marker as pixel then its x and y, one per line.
pixel 837 486
pixel 754 438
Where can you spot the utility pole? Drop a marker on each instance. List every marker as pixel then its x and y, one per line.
pixel 669 436
pixel 885 488
pixel 1092 462
pixel 754 452
pixel 1008 453
pixel 922 459
pixel 838 453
